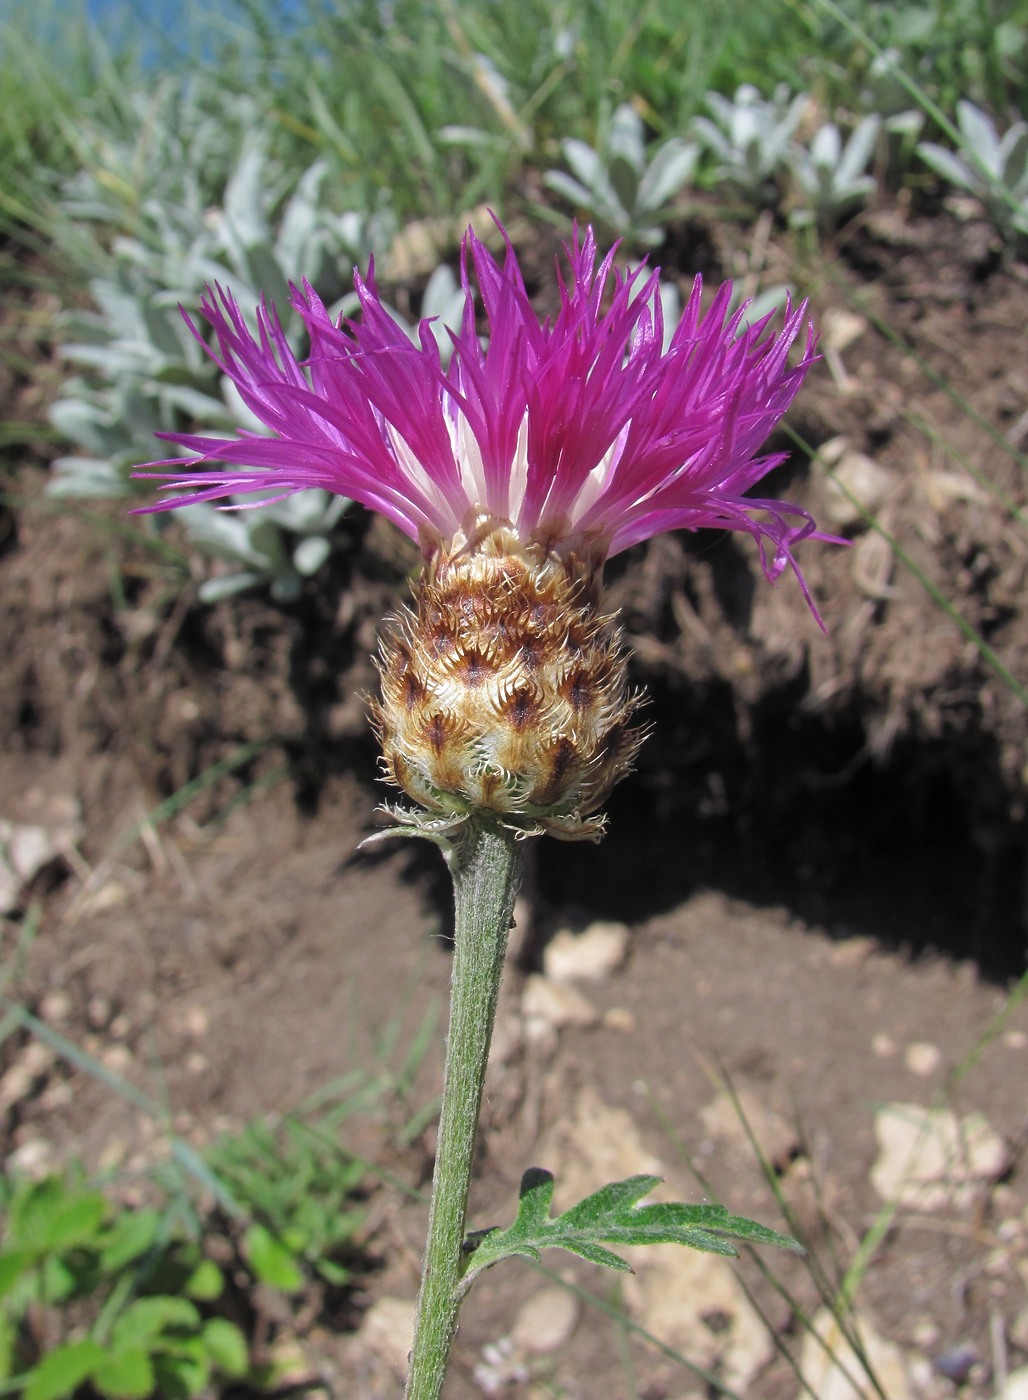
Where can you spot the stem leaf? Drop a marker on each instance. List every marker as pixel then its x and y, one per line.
pixel 611 1215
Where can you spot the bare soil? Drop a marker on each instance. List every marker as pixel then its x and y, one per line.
pixel 821 857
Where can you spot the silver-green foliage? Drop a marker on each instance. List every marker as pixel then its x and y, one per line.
pixel 750 137
pixel 620 184
pixel 994 168
pixel 830 176
pixel 187 191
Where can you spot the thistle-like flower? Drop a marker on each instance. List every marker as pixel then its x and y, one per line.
pixel 519 470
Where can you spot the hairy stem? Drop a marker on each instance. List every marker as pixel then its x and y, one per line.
pixel 485 866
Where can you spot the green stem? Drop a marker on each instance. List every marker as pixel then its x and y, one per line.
pixel 485 866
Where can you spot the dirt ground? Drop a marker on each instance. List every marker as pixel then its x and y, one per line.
pixel 820 861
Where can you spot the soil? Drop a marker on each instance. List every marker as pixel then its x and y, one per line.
pixel 821 859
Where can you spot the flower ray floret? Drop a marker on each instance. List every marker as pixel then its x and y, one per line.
pixel 519 469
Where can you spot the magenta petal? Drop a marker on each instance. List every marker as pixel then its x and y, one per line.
pixel 578 425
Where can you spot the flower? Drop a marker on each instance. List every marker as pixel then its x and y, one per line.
pixel 519 470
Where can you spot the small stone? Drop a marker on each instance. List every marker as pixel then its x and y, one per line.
pixel 922 1058
pixel 388 1330
pixel 117 1058
pixel 928 1158
pixel 856 481
pixel 619 1018
pixel 106 896
pixel 98 1012
pixel 588 956
pixel 545 1323
pixel 842 328
pixel 30 1066
pixel 955 1363
pixel 33 1158
pixel 55 1007
pixel 852 952
pixel 1015 1040
pixel 883 1045
pixel 1016 1387
pixel 196 1020
pixel 832 1369
pixel 556 1004
pixel 56 1096
pixel 737 1118
pixel 1018 1330
pixel 197 1063
pixel 24 851
pixel 120 1027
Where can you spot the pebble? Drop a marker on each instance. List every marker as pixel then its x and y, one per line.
pixel 545 1323
pixel 55 1007
pixel 556 1004
pixel 735 1119
pixel 922 1058
pixel 1016 1387
pixel 928 1158
pixel 387 1331
pixel 588 956
pixel 619 1018
pixel 883 1045
pixel 117 1058
pixel 24 851
pixel 31 1064
pixel 827 1362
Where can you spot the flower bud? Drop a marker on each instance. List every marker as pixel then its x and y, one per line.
pixel 505 688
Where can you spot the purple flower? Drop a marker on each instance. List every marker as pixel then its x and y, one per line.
pixel 579 429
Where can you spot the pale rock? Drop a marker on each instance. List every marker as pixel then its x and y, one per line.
pixel 1016 1387
pixel 728 1118
pixel 556 1004
pixel 32 1158
pixel 55 1097
pixel 545 1323
pixel 117 1058
pixel 1015 1040
pixel 595 1143
pixel 856 480
pixel 1018 1330
pixel 842 328
pixel 30 1066
pixel 103 897
pixel 928 1158
pixel 695 1303
pixel 883 1045
pixel 588 956
pixel 55 1007
pixel 619 1018
pixel 24 851
pixel 508 1038
pixel 922 1058
pixel 830 1366
pixel 387 1331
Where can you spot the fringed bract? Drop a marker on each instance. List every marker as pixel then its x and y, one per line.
pixel 505 687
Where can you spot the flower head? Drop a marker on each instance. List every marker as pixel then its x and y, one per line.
pixel 577 428
pixel 519 470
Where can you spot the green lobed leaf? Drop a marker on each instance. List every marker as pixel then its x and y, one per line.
pixel 226 1347
pixel 149 1318
pixel 13 1264
pixel 611 1215
pixel 131 1234
pixel 63 1370
pixel 205 1283
pixel 125 1374
pixel 271 1261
